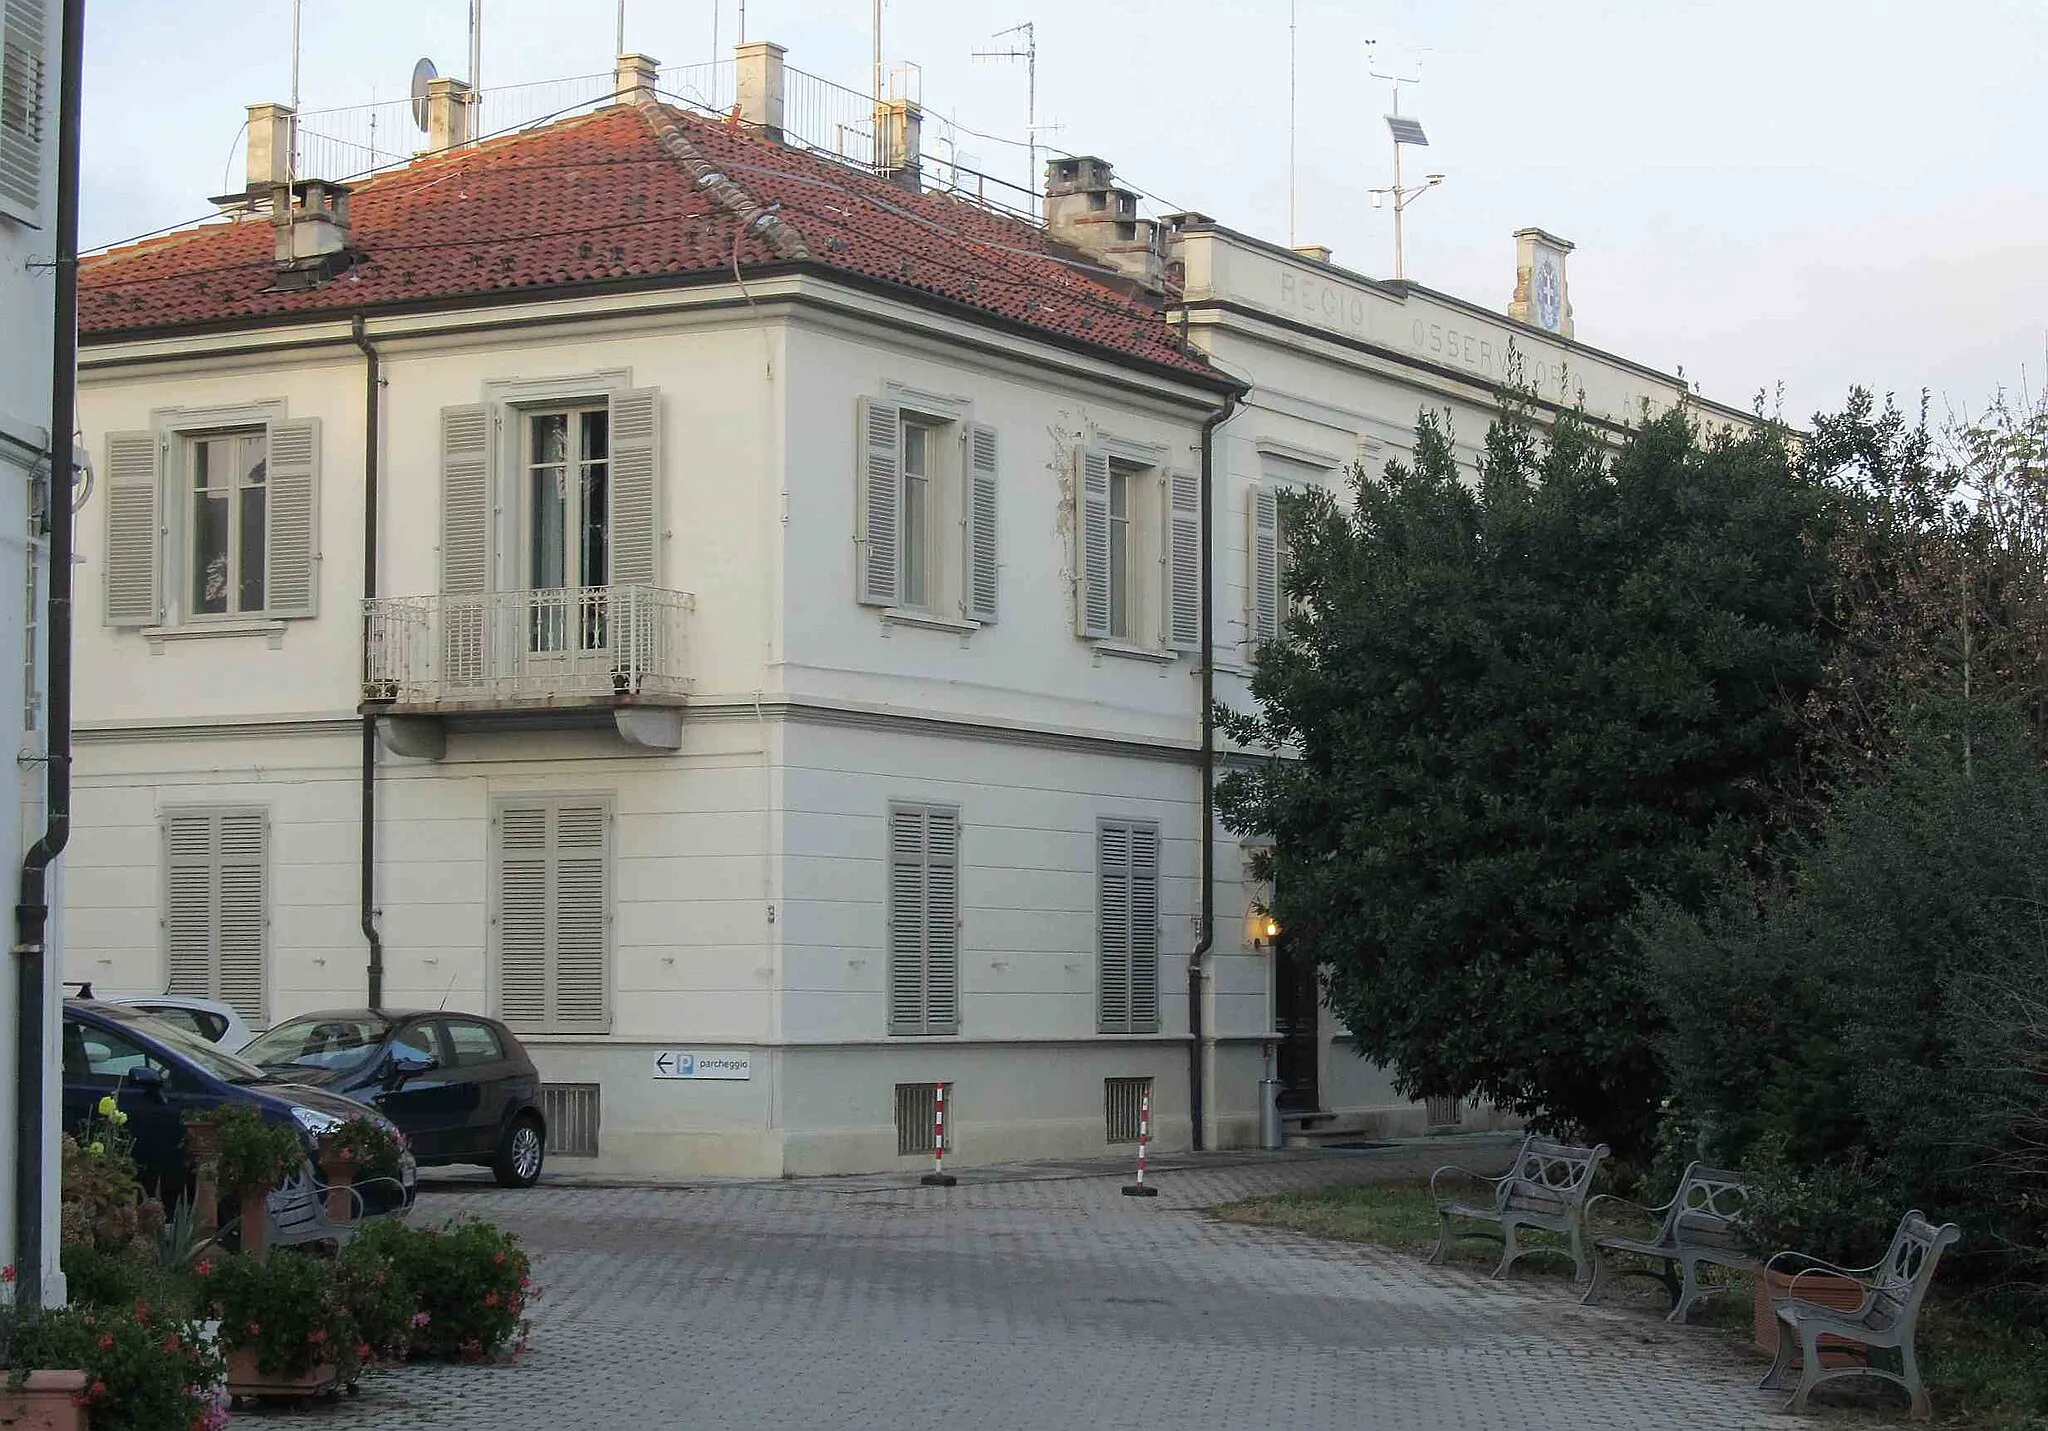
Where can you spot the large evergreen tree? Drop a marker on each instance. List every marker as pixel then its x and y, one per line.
pixel 1502 712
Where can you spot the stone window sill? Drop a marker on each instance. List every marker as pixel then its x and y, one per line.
pixel 928 620
pixel 208 630
pixel 1128 651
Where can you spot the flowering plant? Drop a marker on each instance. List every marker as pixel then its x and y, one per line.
pixel 144 1371
pixel 471 1280
pixel 373 1146
pixel 102 1205
pixel 254 1155
pixel 379 1295
pixel 288 1311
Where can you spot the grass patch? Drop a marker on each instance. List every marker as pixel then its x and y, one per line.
pixel 1983 1371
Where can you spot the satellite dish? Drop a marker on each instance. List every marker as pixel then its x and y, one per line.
pixel 423 74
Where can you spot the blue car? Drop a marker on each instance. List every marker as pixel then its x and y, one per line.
pixel 158 1073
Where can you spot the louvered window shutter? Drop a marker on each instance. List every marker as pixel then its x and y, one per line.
pixel 981 523
pixel 1113 927
pixel 1144 929
pixel 292 510
pixel 134 498
pixel 636 488
pixel 24 42
pixel 879 500
pixel 465 540
pixel 1184 560
pixel 924 920
pixel 553 925
pixel 1091 608
pixel 1264 573
pixel 216 906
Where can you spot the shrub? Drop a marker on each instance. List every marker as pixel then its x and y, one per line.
pixel 101 1279
pixel 145 1371
pixel 102 1203
pixel 471 1279
pixel 375 1287
pixel 254 1154
pixel 373 1146
pixel 289 1311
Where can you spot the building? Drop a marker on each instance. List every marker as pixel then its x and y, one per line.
pixel 29 36
pixel 772 655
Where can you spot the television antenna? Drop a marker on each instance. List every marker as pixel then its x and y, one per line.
pixel 1402 129
pixel 1029 54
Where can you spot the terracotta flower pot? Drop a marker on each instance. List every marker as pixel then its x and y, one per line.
pixel 339 1169
pixel 1823 1289
pixel 256 1224
pixel 202 1148
pixel 245 1378
pixel 45 1401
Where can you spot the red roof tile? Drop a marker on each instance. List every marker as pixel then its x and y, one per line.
pixel 611 197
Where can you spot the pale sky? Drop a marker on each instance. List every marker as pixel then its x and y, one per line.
pixel 1807 192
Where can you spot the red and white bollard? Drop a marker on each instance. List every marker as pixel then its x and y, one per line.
pixel 938 1177
pixel 1141 1188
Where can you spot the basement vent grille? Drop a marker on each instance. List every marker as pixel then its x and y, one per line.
pixel 572 1111
pixel 915 1105
pixel 1444 1112
pixel 1122 1099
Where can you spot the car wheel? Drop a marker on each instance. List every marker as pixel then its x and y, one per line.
pixel 519 1154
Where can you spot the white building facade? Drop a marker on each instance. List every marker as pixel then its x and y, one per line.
pixel 29 35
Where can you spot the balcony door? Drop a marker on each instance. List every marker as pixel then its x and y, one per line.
pixel 565 520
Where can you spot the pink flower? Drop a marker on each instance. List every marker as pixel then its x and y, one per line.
pixel 255 1329
pixel 171 1342
pixel 362 1351
pixel 420 1319
pixel 491 1299
pixel 96 1390
pixel 204 1267
pixel 498 1259
pixel 106 1342
pixel 7 1273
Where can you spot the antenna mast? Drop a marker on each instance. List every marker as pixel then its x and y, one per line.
pixel 476 65
pixel 1029 54
pixel 292 160
pixel 1293 187
pixel 1403 129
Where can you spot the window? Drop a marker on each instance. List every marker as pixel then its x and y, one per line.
pixel 1267 603
pixel 24 45
pixel 566 527
pixel 1138 553
pixel 92 1055
pixel 212 520
pixel 550 923
pixel 1127 926
pixel 216 913
pixel 193 1021
pixel 473 1044
pixel 417 1042
pixel 924 920
pixel 915 487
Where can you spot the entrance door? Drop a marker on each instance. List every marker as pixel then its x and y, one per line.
pixel 566 528
pixel 1297 1002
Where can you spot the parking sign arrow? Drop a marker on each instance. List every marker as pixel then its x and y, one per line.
pixel 664 1063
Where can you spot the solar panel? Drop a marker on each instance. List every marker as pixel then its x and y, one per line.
pixel 1406 130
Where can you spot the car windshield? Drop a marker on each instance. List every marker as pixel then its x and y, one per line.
pixel 210 1058
pixel 342 1042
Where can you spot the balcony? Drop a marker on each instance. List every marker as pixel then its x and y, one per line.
pixel 571 656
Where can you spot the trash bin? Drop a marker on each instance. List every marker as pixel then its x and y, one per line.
pixel 1272 1135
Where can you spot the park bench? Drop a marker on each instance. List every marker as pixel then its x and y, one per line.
pixel 1698 1225
pixel 1545 1188
pixel 1894 1287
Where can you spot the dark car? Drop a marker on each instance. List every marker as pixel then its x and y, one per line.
pixel 459 1085
pixel 157 1073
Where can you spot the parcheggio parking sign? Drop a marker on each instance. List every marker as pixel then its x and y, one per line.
pixel 690 1063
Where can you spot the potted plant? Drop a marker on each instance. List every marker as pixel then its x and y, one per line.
pixel 102 1205
pixel 359 1149
pixel 283 1324
pixel 122 1369
pixel 376 1288
pixel 472 1282
pixel 251 1158
pixel 1828 1214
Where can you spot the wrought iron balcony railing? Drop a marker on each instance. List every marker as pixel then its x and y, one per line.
pixel 569 646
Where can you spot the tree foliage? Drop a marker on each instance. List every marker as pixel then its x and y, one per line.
pixel 1501 712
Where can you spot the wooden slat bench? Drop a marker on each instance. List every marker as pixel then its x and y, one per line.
pixel 1698 1225
pixel 1894 1288
pixel 1545 1188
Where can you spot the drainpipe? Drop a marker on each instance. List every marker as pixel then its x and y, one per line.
pixel 1196 1082
pixel 373 388
pixel 32 911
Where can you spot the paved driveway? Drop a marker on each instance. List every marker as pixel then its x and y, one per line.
pixel 1037 1299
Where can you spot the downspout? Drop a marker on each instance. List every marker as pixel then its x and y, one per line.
pixel 32 911
pixel 373 387
pixel 1196 1034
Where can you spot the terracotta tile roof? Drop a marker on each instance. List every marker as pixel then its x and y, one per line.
pixel 614 197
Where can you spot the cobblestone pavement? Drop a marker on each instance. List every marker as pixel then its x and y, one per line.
pixel 1034 1297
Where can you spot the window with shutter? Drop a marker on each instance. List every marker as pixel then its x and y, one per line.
pixel 293 510
pixel 879 503
pixel 981 523
pixel 216 908
pixel 636 487
pixel 1092 574
pixel 1184 561
pixel 924 920
pixel 465 539
pixel 24 94
pixel 1127 927
pixel 134 490
pixel 551 920
pixel 1263 621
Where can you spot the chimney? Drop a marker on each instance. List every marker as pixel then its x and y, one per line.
pixel 1085 207
pixel 273 128
pixel 758 83
pixel 1542 298
pixel 899 155
pixel 635 79
pixel 449 115
pixel 311 222
pixel 1313 252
